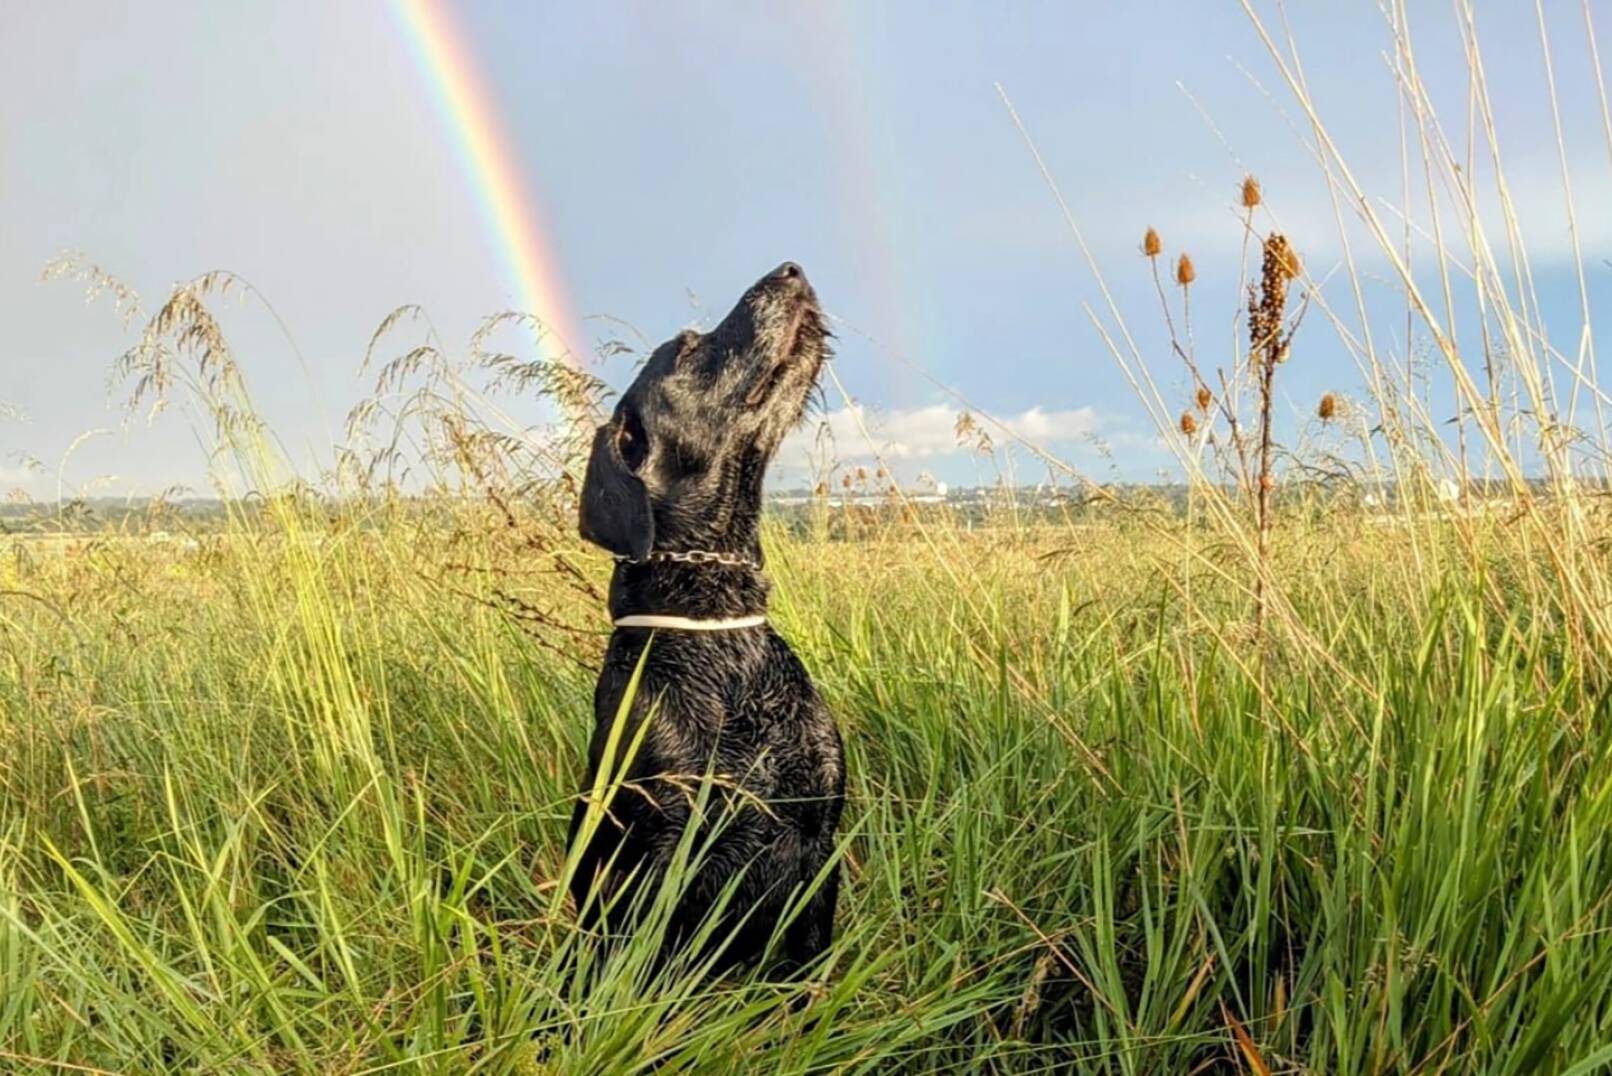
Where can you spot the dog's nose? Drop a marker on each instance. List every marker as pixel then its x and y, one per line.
pixel 789 271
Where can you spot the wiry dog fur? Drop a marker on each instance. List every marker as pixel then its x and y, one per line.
pixel 679 467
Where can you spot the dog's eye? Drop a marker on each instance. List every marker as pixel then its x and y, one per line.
pixel 631 441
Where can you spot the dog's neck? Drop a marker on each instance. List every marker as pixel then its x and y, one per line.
pixel 708 591
pixel 729 525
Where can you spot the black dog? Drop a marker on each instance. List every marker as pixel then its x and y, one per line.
pixel 674 490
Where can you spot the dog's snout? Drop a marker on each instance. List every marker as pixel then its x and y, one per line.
pixel 787 283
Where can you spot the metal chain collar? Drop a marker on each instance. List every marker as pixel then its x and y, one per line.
pixel 692 556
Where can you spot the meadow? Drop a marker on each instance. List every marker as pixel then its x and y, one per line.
pixel 294 799
pixel 1305 773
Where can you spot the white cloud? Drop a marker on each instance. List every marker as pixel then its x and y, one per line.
pixel 856 433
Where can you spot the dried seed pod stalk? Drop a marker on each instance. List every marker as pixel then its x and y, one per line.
pixel 1267 347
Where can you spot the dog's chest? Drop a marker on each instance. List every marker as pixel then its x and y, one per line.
pixel 740 708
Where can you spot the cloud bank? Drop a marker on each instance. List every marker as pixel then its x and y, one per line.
pixel 855 433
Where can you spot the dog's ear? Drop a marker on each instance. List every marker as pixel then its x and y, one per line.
pixel 615 506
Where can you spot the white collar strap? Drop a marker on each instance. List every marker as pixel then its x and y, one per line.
pixel 684 623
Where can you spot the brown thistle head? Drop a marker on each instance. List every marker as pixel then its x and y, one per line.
pixel 1250 192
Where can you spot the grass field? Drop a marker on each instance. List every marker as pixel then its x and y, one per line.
pixel 1312 776
pixel 296 799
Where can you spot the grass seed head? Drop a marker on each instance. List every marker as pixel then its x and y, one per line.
pixel 1205 398
pixel 1189 423
pixel 1152 244
pixel 1185 274
pixel 1327 409
pixel 1250 192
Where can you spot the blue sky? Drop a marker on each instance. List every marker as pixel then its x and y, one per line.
pixel 678 151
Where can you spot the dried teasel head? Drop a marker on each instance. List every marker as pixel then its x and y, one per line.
pixel 1250 192
pixel 1327 409
pixel 1152 245
pixel 1205 398
pixel 1267 303
pixel 1189 424
pixel 1184 272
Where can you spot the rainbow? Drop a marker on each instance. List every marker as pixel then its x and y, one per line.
pixel 493 171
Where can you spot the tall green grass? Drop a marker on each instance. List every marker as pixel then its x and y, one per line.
pixel 282 803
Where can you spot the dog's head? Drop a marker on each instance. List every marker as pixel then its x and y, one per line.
pixel 682 458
